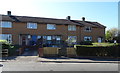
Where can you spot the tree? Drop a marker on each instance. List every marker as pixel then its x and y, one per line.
pixel 111 33
pixel 108 35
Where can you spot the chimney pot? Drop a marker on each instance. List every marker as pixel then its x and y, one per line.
pixel 83 18
pixel 68 17
pixel 9 13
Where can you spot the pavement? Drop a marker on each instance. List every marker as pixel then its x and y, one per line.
pixel 57 60
pixel 76 60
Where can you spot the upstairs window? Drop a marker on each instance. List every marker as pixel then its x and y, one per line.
pixel 5 24
pixel 51 26
pixel 72 27
pixel 32 25
pixel 88 29
pixel 87 38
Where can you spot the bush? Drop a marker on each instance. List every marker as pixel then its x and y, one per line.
pixel 3 41
pixel 4 44
pixel 11 48
pixel 86 43
pixel 108 51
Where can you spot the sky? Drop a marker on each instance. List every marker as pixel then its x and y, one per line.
pixel 104 12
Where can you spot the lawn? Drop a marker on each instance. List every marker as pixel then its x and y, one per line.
pixel 104 44
pixel 98 45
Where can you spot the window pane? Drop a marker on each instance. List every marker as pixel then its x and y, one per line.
pixel 87 38
pixel 38 37
pixel 72 27
pixel 87 28
pixel 32 25
pixel 7 37
pixel 48 37
pixel 53 37
pixel 5 24
pixel 51 26
pixel 58 38
pixel 72 38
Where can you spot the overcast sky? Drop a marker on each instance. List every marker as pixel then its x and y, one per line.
pixel 105 12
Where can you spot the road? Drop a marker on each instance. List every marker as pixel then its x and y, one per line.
pixel 30 63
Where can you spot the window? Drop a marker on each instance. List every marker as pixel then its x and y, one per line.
pixel 72 27
pixel 44 39
pixel 72 39
pixel 32 25
pixel 58 38
pixel 6 24
pixel 51 26
pixel 7 37
pixel 39 37
pixel 49 38
pixel 88 29
pixel 87 38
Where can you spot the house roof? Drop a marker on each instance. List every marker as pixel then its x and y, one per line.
pixel 43 20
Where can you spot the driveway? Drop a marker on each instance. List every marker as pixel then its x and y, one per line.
pixel 30 52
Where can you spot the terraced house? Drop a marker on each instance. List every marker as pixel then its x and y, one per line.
pixel 25 30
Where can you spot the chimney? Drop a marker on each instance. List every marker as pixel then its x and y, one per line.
pixel 9 13
pixel 68 17
pixel 83 18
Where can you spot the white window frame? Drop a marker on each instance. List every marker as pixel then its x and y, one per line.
pixel 87 37
pixel 29 25
pixel 7 37
pixel 51 26
pixel 90 29
pixel 6 24
pixel 71 27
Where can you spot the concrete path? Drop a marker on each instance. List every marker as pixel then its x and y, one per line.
pixel 29 52
pixel 58 60
pixel 73 60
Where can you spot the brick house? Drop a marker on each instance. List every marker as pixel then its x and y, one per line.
pixel 25 30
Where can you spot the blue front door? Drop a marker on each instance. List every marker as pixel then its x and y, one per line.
pixel 34 38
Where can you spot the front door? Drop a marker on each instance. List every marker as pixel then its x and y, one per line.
pixel 23 40
pixel 99 40
pixel 34 39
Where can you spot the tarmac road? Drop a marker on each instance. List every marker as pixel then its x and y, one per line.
pixel 31 63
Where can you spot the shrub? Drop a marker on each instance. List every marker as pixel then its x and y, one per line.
pixel 3 41
pixel 11 48
pixel 109 51
pixel 4 44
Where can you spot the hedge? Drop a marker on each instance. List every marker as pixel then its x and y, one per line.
pixel 11 48
pixel 4 44
pixel 106 51
pixel 86 43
